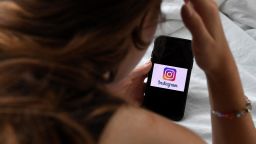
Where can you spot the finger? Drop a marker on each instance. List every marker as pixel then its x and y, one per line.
pixel 141 71
pixel 139 95
pixel 195 24
pixel 208 11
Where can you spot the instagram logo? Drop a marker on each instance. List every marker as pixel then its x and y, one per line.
pixel 169 74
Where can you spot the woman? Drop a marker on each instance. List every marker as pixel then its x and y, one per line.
pixel 60 61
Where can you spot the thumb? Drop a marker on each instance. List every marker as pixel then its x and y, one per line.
pixel 141 71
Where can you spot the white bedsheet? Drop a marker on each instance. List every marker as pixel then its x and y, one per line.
pixel 243 13
pixel 243 46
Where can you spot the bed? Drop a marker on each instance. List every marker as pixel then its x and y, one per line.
pixel 242 41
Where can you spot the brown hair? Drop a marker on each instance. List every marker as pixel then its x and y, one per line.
pixel 52 52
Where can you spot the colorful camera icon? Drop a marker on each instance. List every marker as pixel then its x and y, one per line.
pixel 169 74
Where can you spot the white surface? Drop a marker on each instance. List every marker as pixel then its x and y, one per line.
pixel 171 9
pixel 243 13
pixel 219 2
pixel 243 46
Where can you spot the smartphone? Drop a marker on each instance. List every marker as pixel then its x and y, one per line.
pixel 168 80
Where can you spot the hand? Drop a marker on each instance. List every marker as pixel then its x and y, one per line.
pixel 132 87
pixel 210 46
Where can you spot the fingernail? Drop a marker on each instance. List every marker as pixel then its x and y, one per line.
pixel 148 63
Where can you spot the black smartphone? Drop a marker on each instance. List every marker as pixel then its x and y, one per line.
pixel 168 80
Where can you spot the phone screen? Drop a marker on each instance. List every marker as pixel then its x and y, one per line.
pixel 168 80
pixel 169 77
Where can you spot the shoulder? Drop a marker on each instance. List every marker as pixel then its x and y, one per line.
pixel 135 125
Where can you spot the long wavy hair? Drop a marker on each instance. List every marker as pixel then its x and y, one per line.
pixel 53 57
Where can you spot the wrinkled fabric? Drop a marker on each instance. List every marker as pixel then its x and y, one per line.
pixel 243 47
pixel 243 13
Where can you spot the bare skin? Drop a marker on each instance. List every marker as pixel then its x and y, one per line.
pixel 134 125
